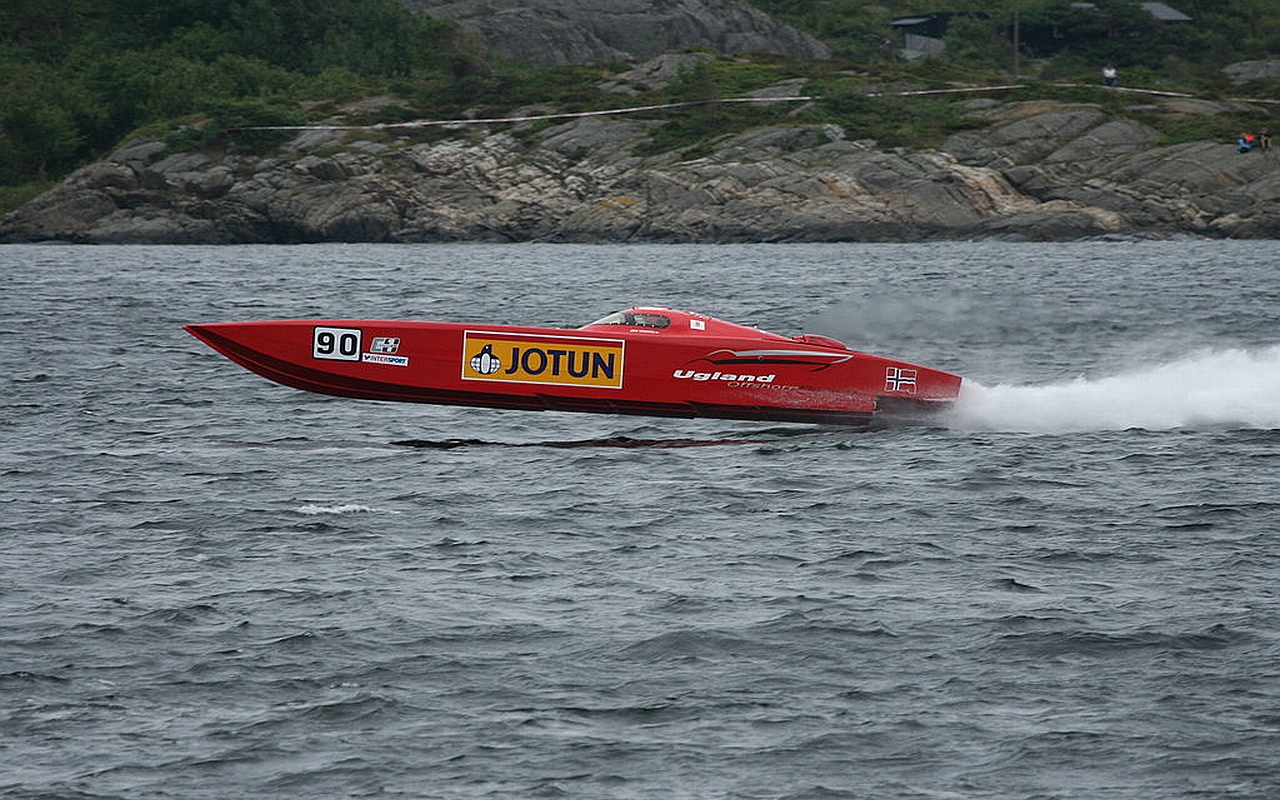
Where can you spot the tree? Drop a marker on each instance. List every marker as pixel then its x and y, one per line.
pixel 36 134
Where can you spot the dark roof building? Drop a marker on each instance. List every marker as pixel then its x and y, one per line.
pixel 922 33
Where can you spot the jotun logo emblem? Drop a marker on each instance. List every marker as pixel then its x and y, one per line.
pixel 557 360
pixel 486 363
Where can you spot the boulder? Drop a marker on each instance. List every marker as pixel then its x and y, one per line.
pixel 1245 71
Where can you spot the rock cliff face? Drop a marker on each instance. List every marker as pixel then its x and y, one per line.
pixel 581 31
pixel 1046 171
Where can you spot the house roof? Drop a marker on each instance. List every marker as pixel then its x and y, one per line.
pixel 1164 13
pixel 1160 11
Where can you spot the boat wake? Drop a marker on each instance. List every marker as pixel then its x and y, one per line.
pixel 624 442
pixel 1222 389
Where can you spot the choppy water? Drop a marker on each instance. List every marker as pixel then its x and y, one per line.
pixel 215 587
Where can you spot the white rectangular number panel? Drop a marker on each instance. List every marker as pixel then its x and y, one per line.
pixel 336 344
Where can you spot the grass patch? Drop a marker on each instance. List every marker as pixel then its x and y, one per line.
pixel 1214 128
pixel 693 130
pixel 14 197
pixel 910 122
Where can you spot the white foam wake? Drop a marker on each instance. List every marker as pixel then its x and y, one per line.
pixel 1207 389
pixel 342 508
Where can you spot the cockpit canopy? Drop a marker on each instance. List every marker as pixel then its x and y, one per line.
pixel 652 319
pixel 635 319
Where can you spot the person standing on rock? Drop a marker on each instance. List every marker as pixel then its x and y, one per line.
pixel 1264 140
pixel 1109 75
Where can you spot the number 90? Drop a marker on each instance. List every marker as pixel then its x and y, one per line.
pixel 336 344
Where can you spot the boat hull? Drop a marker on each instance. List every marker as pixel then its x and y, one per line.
pixel 695 367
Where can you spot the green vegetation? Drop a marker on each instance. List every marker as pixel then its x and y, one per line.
pixel 12 197
pixel 1060 40
pixel 79 76
pixel 1221 127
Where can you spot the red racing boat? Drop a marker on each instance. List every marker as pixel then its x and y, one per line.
pixel 644 361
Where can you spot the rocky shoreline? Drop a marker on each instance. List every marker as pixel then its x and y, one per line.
pixel 1034 170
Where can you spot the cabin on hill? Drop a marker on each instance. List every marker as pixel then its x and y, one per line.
pixel 923 34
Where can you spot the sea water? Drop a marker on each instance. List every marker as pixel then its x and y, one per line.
pixel 212 586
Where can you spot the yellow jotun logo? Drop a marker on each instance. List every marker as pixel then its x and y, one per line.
pixel 558 360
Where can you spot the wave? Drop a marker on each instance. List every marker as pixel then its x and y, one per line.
pixel 339 509
pixel 1218 389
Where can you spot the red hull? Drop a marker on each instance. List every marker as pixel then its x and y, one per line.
pixel 651 362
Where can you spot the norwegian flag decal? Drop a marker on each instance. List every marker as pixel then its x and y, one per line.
pixel 897 379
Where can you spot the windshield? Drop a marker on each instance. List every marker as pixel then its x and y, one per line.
pixel 635 319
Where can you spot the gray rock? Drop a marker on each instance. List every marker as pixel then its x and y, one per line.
pixel 212 183
pixel 656 73
pixel 1107 140
pixel 583 31
pixel 108 175
pixel 582 180
pixel 1022 132
pixel 1245 71
pixel 126 228
pixel 316 139
pixel 1193 107
pixel 139 152
pixel 600 137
